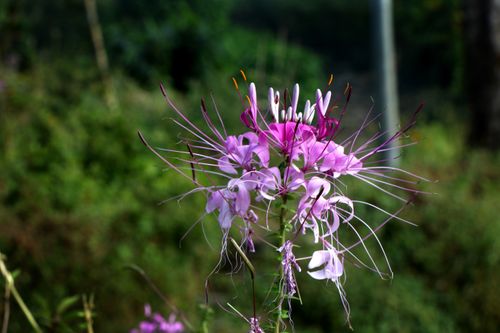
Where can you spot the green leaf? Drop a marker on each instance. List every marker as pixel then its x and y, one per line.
pixel 66 303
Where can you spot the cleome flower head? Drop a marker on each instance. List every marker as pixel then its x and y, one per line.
pixel 289 154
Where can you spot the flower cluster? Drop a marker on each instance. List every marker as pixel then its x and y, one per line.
pixel 310 161
pixel 155 323
pixel 287 155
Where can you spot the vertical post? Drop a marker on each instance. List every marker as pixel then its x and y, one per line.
pixel 482 70
pixel 100 52
pixel 387 95
pixel 494 132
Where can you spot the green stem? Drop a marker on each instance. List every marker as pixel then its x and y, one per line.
pixel 282 239
pixel 282 221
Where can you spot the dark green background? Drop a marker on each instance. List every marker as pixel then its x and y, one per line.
pixel 79 193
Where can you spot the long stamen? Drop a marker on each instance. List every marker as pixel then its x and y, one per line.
pixel 209 121
pixel 159 155
pixel 192 165
pixel 172 105
pixel 243 74
pixel 396 135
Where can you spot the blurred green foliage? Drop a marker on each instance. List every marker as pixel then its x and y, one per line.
pixel 79 193
pixel 74 186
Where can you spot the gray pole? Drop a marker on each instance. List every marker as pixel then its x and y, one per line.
pixel 387 94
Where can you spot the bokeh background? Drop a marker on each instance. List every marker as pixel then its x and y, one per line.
pixel 79 193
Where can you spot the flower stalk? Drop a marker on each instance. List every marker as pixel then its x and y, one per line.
pixel 282 239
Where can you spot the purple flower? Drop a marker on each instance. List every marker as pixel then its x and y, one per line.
pixel 240 152
pixel 231 202
pixel 223 201
pixel 155 323
pixel 288 264
pixel 254 326
pixel 330 210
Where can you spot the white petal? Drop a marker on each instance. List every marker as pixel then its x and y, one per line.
pixel 289 114
pixel 326 100
pixel 270 97
pixel 295 97
pixel 313 108
pixel 318 275
pixel 319 258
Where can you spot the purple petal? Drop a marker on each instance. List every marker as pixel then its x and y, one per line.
pixel 226 166
pixel 147 310
pixel 214 201
pixel 147 327
pixel 250 136
pixel 314 186
pixel 242 202
pixel 263 153
pixel 225 216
